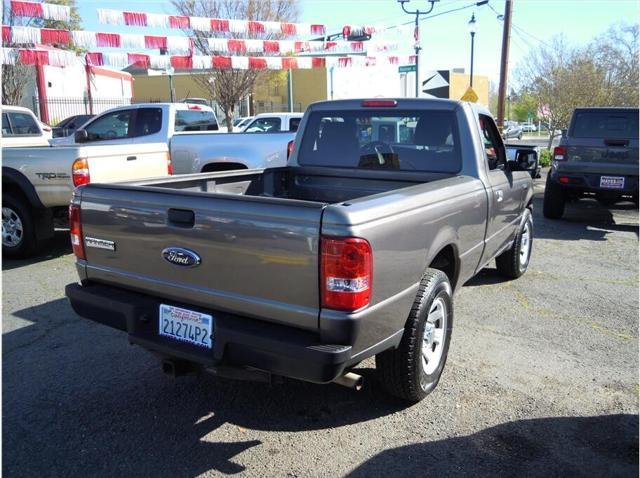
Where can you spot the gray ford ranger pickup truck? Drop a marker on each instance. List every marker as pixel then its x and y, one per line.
pixel 597 157
pixel 353 250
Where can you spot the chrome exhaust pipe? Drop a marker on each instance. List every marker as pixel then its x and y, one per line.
pixel 350 380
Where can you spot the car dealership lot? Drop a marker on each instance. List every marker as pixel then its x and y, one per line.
pixel 542 379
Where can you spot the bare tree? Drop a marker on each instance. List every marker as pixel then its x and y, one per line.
pixel 561 77
pixel 228 87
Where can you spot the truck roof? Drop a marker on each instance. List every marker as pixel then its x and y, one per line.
pixel 405 103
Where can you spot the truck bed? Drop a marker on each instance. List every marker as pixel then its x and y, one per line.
pixel 256 233
pixel 317 185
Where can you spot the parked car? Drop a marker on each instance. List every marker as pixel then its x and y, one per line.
pixel 511 130
pixel 21 128
pixel 205 152
pixel 352 251
pixel 529 128
pixel 274 122
pixel 69 125
pixel 196 101
pixel 142 123
pixel 598 157
pixel 37 183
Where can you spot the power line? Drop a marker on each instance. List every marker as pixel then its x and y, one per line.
pixel 500 17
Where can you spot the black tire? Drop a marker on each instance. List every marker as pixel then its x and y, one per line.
pixel 402 371
pixel 520 136
pixel 512 263
pixel 554 199
pixel 14 208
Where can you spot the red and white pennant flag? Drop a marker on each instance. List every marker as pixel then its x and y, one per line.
pixel 47 11
pixel 204 24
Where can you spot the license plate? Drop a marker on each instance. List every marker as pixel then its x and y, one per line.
pixel 612 182
pixel 186 325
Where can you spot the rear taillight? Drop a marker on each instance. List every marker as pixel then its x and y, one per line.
pixel 80 172
pixel 194 107
pixel 290 146
pixel 77 241
pixel 559 153
pixel 346 265
pixel 169 165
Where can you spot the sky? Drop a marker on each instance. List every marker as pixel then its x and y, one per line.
pixel 445 39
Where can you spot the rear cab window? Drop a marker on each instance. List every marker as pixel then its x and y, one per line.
pixel 405 140
pixel 195 120
pixel 293 124
pixel 148 121
pixel 605 124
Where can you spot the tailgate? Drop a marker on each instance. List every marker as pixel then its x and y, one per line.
pixel 258 256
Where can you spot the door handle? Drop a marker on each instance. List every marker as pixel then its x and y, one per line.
pixel 131 158
pixel 499 196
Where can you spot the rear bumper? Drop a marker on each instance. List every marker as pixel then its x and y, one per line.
pixel 590 182
pixel 238 341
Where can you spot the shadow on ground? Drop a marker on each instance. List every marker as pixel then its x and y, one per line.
pixel 77 397
pixel 58 246
pixel 566 446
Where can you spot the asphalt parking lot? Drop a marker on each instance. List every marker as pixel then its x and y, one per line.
pixel 542 380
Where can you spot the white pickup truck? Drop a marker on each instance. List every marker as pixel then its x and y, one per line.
pixel 142 123
pixel 21 128
pixel 37 184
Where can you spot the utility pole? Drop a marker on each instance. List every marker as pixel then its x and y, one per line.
pixel 416 34
pixel 504 61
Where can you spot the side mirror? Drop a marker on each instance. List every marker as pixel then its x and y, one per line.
pixel 523 160
pixel 81 136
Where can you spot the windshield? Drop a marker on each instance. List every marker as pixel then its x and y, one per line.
pixel 380 139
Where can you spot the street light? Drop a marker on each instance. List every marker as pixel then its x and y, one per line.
pixel 416 35
pixel 472 30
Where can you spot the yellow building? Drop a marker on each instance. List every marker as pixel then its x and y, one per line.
pixel 271 93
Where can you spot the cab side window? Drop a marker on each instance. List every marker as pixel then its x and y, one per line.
pixel 110 126
pixel 493 147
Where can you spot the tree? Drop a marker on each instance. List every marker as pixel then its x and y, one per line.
pixel 561 78
pixel 15 77
pixel 228 87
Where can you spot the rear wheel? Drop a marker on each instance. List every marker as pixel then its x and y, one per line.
pixel 413 370
pixel 515 262
pixel 18 232
pixel 554 199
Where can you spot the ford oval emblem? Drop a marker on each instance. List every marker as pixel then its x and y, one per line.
pixel 181 257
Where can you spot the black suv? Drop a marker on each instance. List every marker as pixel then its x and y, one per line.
pixel 598 157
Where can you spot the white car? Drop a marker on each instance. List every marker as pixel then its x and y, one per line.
pixel 21 128
pixel 274 123
pixel 529 128
pixel 142 123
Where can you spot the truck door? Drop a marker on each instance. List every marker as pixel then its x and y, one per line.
pixel 505 196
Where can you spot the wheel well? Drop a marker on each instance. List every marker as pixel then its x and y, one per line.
pixel 212 167
pixel 445 260
pixel 12 188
